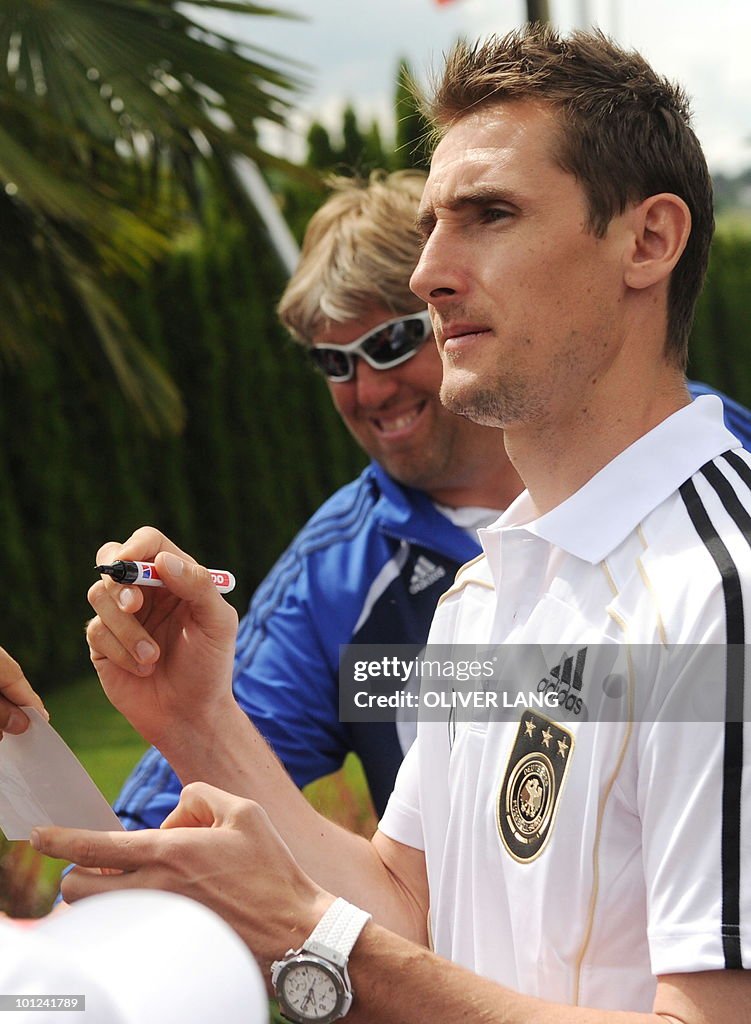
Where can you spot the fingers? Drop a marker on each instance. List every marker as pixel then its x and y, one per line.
pixel 15 690
pixel 141 546
pixel 118 636
pixel 125 851
pixel 179 572
pixel 192 583
pixel 144 545
pixel 107 861
pixel 82 882
pixel 104 861
pixel 115 634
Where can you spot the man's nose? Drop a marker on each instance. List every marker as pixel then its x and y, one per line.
pixel 439 273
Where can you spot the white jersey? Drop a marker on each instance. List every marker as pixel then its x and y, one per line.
pixel 577 859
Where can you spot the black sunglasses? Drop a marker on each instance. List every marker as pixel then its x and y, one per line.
pixel 386 345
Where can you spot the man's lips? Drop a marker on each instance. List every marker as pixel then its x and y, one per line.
pixel 395 423
pixel 459 332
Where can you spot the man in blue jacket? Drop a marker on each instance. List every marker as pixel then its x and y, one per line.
pixel 371 564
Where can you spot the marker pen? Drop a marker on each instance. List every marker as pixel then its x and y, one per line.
pixel 145 574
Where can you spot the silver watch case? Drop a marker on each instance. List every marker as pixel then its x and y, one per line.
pixel 338 976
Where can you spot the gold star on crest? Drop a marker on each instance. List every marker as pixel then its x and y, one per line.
pixel 546 737
pixel 530 726
pixel 562 747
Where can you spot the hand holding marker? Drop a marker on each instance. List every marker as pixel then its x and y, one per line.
pixel 145 574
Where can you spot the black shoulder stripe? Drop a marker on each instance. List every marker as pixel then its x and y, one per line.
pixel 733 752
pixel 742 519
pixel 731 583
pixel 742 468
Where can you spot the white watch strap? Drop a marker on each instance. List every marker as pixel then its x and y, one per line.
pixel 337 932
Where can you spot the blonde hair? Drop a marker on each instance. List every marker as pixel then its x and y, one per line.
pixel 359 251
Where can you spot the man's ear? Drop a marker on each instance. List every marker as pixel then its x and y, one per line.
pixel 661 226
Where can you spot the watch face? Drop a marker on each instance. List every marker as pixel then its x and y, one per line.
pixel 310 992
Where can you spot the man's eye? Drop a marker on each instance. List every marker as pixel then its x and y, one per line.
pixel 493 213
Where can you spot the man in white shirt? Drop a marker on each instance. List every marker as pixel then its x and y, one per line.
pixel 586 877
pixel 592 871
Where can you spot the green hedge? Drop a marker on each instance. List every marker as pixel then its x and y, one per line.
pixel 720 349
pixel 261 449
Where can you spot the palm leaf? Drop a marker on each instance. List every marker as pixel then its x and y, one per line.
pixel 114 114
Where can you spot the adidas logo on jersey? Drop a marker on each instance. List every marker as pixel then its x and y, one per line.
pixel 424 575
pixel 564 679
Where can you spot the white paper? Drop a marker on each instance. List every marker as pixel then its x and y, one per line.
pixel 42 782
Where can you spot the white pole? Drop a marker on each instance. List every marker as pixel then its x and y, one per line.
pixel 583 17
pixel 614 28
pixel 260 195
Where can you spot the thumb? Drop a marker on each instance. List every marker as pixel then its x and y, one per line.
pixel 193 583
pixel 200 805
pixel 15 687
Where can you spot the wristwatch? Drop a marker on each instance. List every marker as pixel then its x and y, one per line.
pixel 312 983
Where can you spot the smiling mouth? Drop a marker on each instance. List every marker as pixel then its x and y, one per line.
pixel 401 422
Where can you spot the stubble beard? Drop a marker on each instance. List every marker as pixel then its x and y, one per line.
pixel 496 405
pixel 423 469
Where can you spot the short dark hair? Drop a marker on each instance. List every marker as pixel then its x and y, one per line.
pixel 625 133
